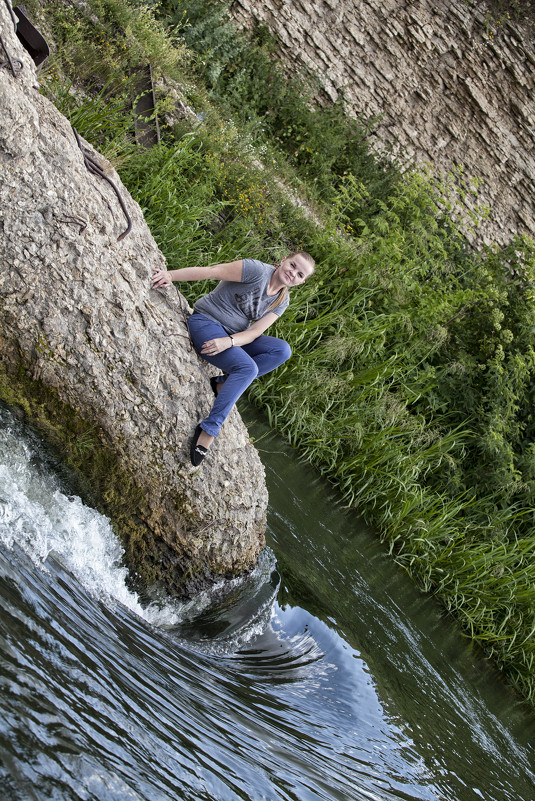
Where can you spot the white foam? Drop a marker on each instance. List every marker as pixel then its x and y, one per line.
pixel 38 517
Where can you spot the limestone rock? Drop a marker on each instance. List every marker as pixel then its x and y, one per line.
pixel 452 83
pixel 103 362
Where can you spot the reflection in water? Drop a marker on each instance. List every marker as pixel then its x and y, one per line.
pixel 322 675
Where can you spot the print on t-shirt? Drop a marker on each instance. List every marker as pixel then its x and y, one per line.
pixel 248 303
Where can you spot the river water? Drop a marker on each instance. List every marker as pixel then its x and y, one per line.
pixel 324 675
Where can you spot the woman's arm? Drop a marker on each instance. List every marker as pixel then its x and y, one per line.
pixel 230 271
pixel 214 346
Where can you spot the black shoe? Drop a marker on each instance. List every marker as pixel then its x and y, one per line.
pixel 213 383
pixel 197 452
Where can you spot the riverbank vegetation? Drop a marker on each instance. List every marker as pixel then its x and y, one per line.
pixel 412 382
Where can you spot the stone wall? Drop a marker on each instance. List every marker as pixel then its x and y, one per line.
pixel 103 364
pixel 452 87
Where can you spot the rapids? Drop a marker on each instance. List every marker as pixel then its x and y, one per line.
pixel 323 675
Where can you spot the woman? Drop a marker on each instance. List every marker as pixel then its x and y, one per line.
pixel 227 328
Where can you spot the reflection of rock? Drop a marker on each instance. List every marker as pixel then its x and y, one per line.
pixel 104 365
pixel 449 82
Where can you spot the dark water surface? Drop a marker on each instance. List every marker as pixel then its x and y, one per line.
pixel 324 675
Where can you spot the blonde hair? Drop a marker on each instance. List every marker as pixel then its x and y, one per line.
pixel 284 293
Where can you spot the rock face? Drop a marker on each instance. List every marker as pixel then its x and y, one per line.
pixel 102 363
pixel 454 85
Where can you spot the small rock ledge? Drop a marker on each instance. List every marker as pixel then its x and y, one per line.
pixel 102 365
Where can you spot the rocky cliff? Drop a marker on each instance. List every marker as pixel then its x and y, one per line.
pixel 102 364
pixel 452 83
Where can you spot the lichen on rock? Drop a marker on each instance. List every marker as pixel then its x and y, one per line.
pixel 101 364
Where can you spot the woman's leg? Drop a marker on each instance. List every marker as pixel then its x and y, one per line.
pixel 241 372
pixel 268 352
pixel 240 368
pixel 241 365
pixel 263 355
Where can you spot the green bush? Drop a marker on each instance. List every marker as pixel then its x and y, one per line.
pixel 105 41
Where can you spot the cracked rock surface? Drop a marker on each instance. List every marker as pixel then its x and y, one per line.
pixel 448 82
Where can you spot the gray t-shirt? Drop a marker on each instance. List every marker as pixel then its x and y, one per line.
pixel 236 304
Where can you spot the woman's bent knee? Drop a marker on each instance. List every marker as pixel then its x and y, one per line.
pixel 281 352
pixel 286 351
pixel 247 371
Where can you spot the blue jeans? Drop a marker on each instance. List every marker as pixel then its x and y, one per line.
pixel 242 364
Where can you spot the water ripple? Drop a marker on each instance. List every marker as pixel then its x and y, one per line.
pixel 240 694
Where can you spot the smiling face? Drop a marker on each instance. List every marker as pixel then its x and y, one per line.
pixel 294 270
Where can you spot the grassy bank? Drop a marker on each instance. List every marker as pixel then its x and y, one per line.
pixel 411 385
